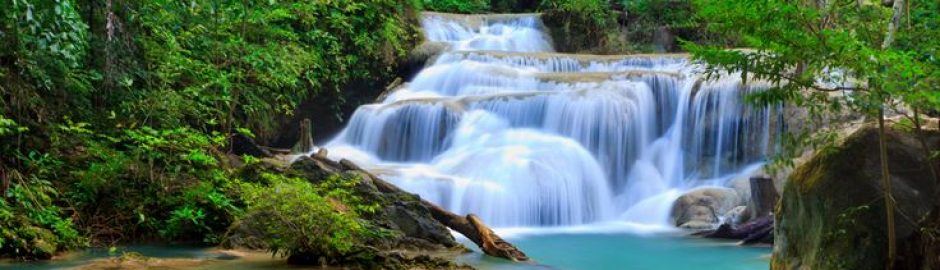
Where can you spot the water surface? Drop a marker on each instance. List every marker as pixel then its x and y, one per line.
pixel 596 251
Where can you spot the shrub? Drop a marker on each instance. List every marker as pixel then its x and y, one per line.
pixel 300 219
pixel 457 6
pixel 31 225
pixel 579 25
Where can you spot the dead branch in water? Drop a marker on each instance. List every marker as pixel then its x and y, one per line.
pixel 470 226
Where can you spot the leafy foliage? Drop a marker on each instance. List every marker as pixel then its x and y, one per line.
pixel 166 181
pixel 580 24
pixel 129 103
pixel 826 60
pixel 830 56
pixel 457 6
pixel 304 219
pixel 31 225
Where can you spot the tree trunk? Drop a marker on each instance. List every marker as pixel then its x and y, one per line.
pixel 5 182
pixel 923 144
pixel 897 12
pixel 469 226
pixel 888 194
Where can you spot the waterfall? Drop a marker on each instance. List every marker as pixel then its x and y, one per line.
pixel 503 127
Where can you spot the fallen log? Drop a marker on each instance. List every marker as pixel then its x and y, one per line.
pixel 756 231
pixel 470 226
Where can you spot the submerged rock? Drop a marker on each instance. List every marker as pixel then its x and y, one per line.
pixel 831 214
pixel 701 208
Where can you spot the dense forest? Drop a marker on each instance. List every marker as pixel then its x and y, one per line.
pixel 117 117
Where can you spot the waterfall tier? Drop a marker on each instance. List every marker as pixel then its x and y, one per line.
pixel 503 127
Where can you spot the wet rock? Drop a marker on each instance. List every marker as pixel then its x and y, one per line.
pixel 742 186
pixel 411 225
pixel 698 225
pixel 703 206
pixel 413 222
pixel 831 214
pixel 244 145
pixel 736 216
pixel 133 263
pixel 314 169
pixel 420 57
pixel 242 233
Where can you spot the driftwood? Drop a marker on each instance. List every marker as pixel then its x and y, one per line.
pixel 469 226
pixel 757 231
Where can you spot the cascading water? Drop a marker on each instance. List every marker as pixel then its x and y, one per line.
pixel 501 127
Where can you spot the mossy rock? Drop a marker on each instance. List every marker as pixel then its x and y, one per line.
pixel 831 214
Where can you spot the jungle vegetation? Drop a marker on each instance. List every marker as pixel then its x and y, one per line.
pixel 116 116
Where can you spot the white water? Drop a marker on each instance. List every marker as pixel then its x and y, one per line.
pixel 502 128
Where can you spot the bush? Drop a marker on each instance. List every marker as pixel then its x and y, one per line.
pixel 678 16
pixel 128 105
pixel 580 25
pixel 302 220
pixel 31 225
pixel 457 6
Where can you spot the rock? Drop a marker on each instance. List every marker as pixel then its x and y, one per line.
pixel 415 222
pixel 244 145
pixel 410 224
pixel 736 216
pixel 703 206
pixel 697 225
pixel 142 263
pixel 419 57
pixel 314 169
pixel 241 234
pixel 742 186
pixel 831 214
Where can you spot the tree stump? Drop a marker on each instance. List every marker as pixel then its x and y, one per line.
pixel 305 143
pixel 763 197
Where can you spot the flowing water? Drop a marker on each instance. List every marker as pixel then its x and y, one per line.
pixel 502 127
pixel 586 153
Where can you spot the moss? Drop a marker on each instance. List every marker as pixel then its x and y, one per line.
pixel 831 214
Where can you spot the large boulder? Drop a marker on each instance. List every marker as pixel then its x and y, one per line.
pixel 832 215
pixel 411 232
pixel 400 212
pixel 702 208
